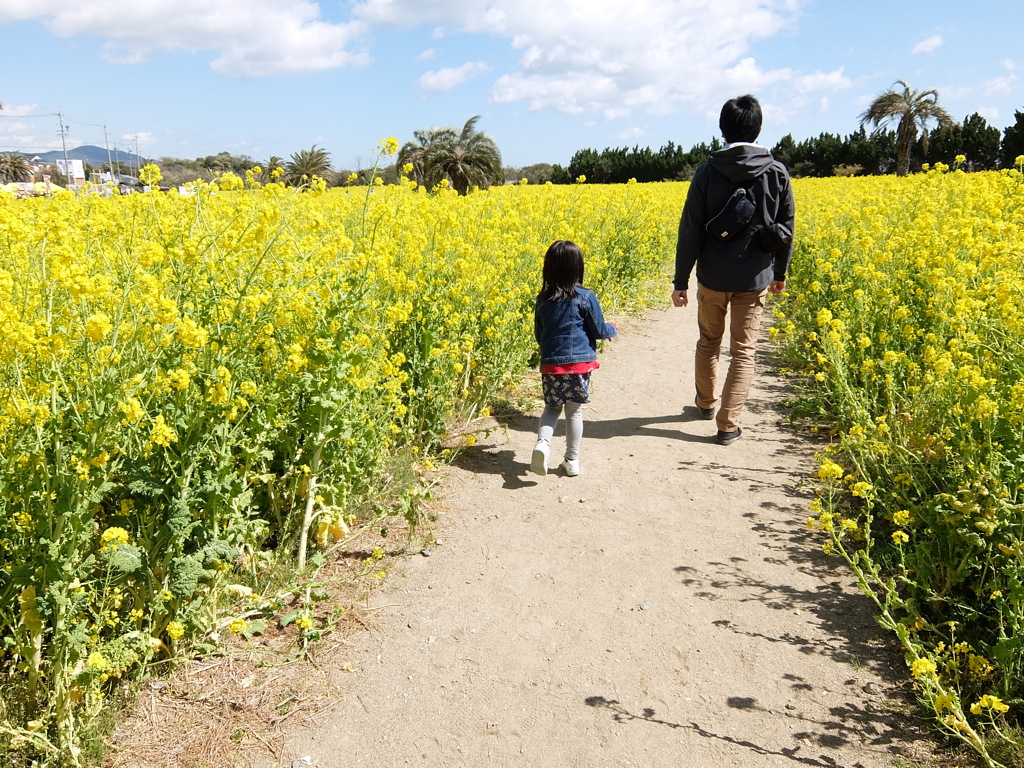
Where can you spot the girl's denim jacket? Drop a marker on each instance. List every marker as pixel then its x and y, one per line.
pixel 567 331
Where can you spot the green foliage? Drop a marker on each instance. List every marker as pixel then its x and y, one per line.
pixel 618 166
pixel 13 167
pixel 820 157
pixel 975 139
pixel 307 164
pixel 1012 145
pixel 538 173
pixel 178 172
pixel 272 169
pixel 415 152
pixel 912 111
pixel 904 321
pixel 464 160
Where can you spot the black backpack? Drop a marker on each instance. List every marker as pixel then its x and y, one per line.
pixel 738 215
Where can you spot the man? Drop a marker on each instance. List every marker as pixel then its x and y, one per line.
pixel 735 271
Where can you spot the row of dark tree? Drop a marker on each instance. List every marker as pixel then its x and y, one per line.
pixel 862 152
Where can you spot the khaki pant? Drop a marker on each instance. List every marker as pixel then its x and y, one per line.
pixel 744 310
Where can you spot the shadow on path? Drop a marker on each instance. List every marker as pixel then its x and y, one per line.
pixel 604 429
pixel 867 725
pixel 483 460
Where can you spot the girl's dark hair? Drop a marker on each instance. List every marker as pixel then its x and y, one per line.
pixel 563 271
pixel 740 119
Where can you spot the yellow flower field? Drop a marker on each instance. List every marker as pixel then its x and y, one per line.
pixel 904 321
pixel 197 385
pixel 187 378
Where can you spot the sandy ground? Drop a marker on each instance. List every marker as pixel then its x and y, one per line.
pixel 668 607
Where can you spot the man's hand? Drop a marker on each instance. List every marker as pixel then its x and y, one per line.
pixel 777 286
pixel 679 298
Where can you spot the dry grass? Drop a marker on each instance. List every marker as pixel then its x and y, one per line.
pixel 236 710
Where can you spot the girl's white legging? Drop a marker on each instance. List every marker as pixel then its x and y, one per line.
pixel 573 428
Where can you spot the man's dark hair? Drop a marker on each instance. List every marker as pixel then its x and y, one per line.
pixel 563 271
pixel 740 119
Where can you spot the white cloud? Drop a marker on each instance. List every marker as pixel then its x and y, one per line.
pixel 991 114
pixel 928 44
pixel 405 14
pixel 1010 64
pixel 450 77
pixel 822 81
pixel 631 134
pixel 252 38
pixel 19 110
pixel 24 130
pixel 141 139
pixel 1000 86
pixel 604 58
pixel 25 136
pixel 427 55
pixel 610 58
pixel 954 93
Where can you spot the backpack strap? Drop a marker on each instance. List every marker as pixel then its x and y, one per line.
pixel 765 217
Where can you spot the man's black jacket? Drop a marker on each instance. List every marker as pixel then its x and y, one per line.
pixel 740 264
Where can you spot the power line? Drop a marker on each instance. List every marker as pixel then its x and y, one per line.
pixel 65 126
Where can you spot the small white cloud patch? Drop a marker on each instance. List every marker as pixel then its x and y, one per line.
pixel 928 44
pixel 445 79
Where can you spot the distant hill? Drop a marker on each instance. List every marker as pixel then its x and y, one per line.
pixel 93 155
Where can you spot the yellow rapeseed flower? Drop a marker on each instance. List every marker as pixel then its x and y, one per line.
pixel 97 660
pixel 990 702
pixel 162 434
pixel 98 327
pixel 829 470
pixel 923 668
pixel 132 409
pixel 113 537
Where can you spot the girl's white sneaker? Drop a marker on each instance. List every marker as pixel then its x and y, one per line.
pixel 539 461
pixel 571 467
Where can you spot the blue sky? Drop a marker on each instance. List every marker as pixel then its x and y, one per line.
pixel 189 78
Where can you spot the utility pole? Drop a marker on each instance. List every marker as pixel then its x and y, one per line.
pixel 63 131
pixel 110 161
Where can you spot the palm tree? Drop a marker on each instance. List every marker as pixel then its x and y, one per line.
pixel 272 164
pixel 911 110
pixel 306 164
pixel 415 151
pixel 471 160
pixel 14 167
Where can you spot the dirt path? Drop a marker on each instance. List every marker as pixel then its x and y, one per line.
pixel 668 607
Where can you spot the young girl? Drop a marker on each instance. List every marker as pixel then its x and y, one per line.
pixel 567 323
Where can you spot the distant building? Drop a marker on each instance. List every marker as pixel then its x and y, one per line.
pixel 73 170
